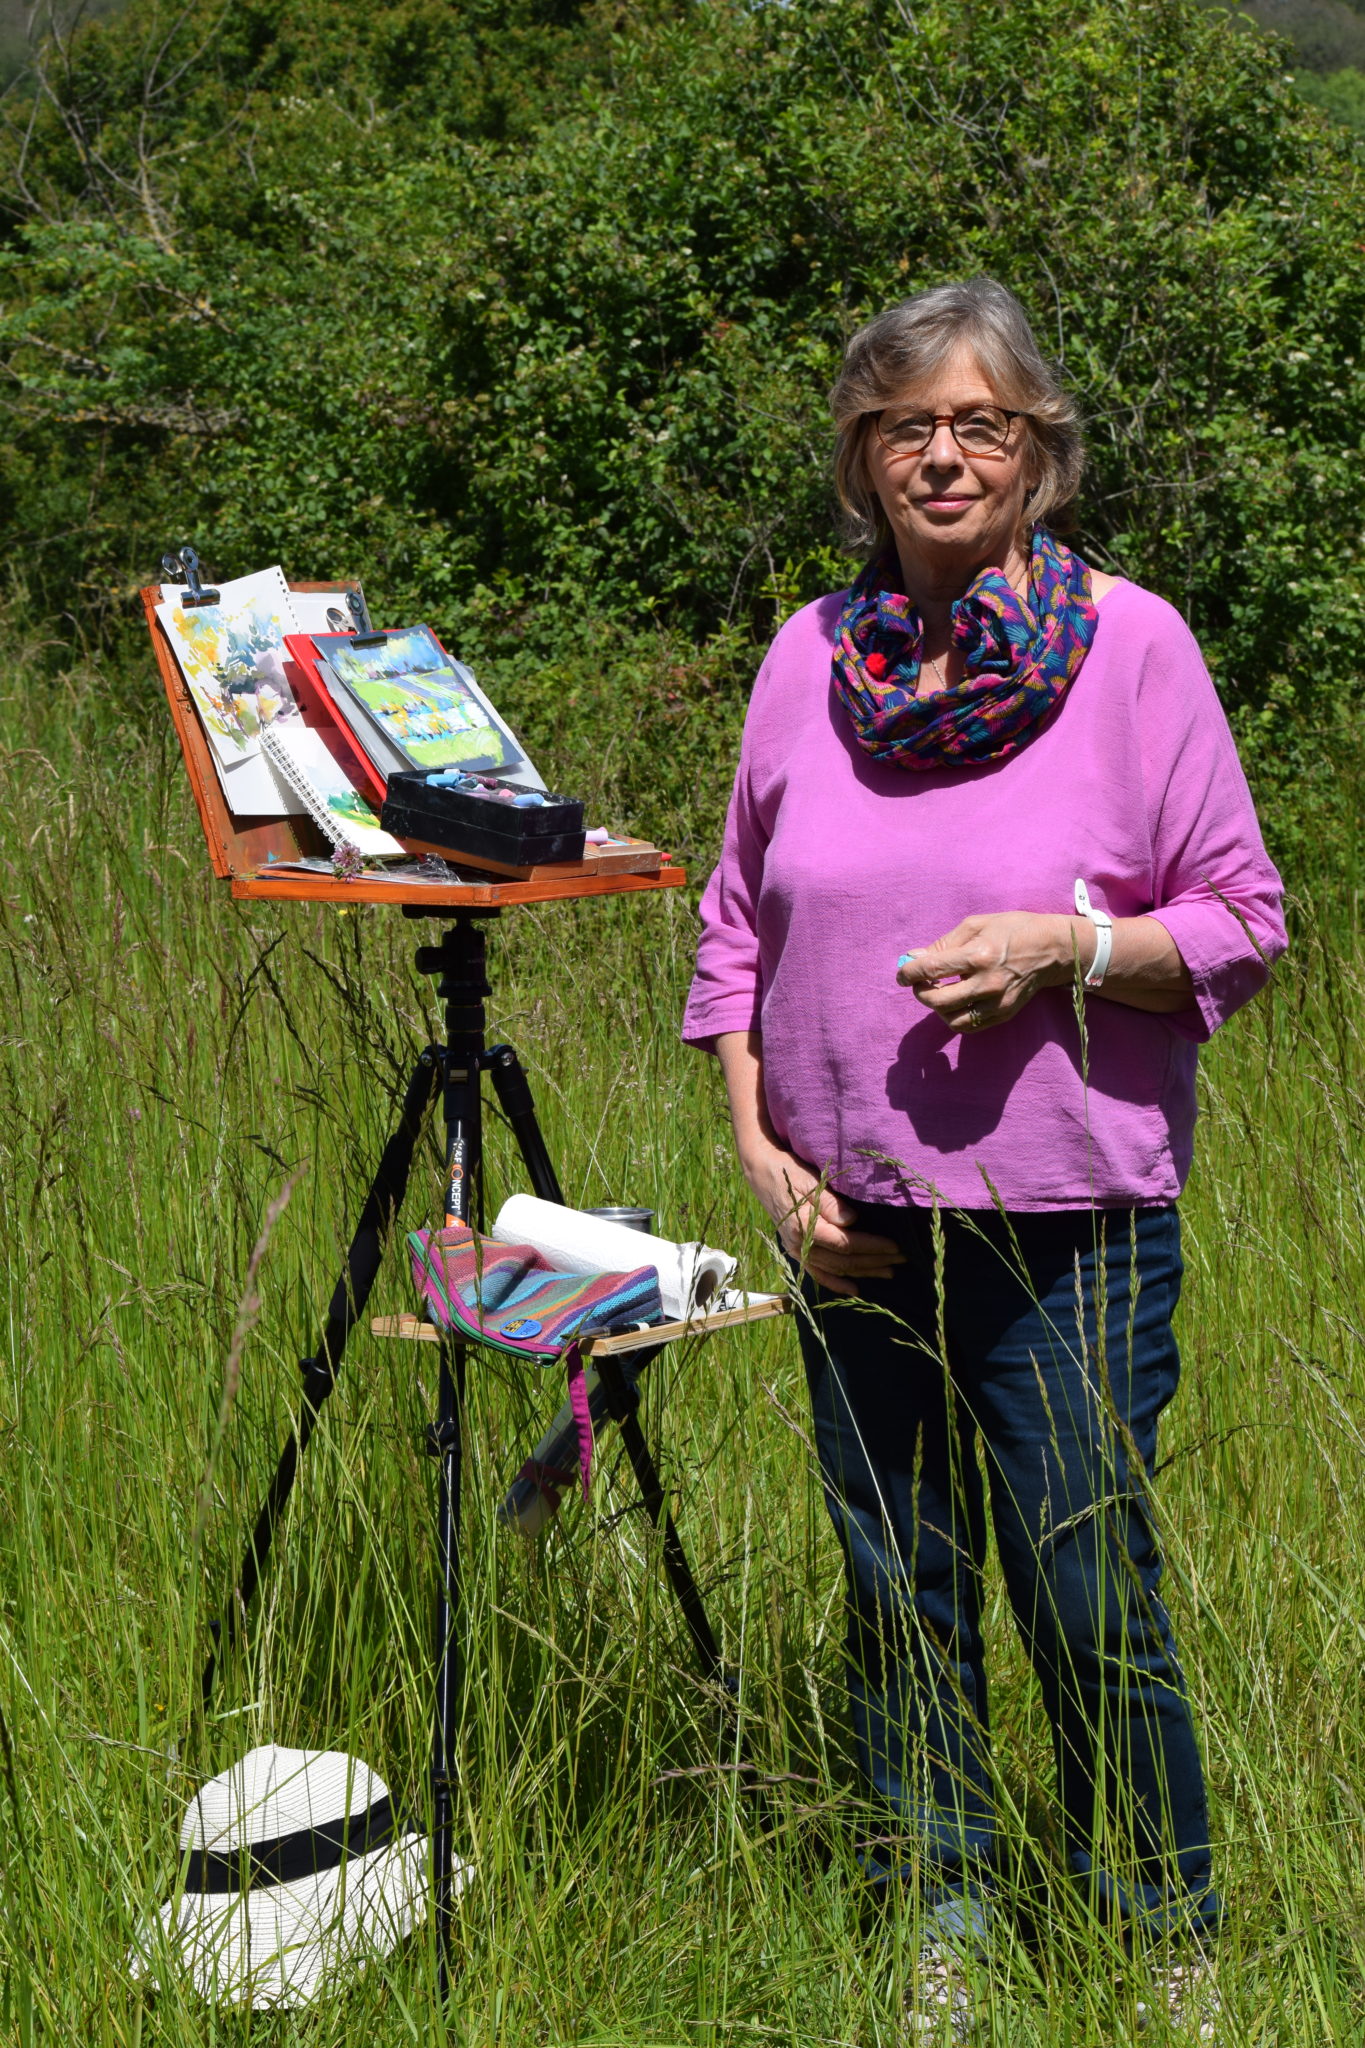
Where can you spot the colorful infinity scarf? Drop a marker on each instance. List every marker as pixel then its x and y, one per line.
pixel 1020 657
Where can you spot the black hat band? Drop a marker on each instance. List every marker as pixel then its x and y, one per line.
pixel 287 1858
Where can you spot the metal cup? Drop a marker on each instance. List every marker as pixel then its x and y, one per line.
pixel 629 1219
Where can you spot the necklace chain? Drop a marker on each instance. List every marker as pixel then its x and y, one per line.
pixel 942 678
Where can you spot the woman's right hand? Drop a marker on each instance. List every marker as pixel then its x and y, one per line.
pixel 815 1225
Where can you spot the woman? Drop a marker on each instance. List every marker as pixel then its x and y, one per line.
pixel 991 874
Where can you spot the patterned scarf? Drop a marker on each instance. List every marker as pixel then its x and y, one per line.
pixel 1021 654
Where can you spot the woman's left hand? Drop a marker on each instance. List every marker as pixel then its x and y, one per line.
pixel 984 971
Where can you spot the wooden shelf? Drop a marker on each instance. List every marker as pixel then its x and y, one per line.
pixel 416 1330
pixel 263 887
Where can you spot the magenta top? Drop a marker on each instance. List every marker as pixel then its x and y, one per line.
pixel 834 865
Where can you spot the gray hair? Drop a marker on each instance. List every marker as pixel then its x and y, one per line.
pixel 906 344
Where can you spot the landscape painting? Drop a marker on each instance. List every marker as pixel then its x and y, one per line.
pixel 357 821
pixel 423 702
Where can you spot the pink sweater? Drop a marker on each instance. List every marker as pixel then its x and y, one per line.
pixel 834 865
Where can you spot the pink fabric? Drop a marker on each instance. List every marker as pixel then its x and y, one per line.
pixel 582 1414
pixel 834 865
pixel 546 1479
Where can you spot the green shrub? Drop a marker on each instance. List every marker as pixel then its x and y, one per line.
pixel 1325 33
pixel 1340 94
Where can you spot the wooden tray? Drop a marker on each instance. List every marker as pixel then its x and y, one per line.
pixel 415 1329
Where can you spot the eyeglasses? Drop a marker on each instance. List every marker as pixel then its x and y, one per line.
pixel 977 430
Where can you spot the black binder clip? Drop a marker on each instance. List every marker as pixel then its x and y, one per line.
pixel 186 563
pixel 354 620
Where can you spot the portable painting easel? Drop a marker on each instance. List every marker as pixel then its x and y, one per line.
pixel 241 851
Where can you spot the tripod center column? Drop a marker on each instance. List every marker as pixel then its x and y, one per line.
pixel 460 962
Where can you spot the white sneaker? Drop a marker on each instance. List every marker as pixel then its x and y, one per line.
pixel 950 1971
pixel 941 1998
pixel 1186 1997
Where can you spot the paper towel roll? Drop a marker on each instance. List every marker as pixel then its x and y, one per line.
pixel 572 1242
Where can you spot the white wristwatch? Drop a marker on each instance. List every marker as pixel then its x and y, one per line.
pixel 1104 934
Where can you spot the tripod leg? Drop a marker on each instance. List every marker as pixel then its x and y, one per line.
pixel 460 962
pixel 443 1442
pixel 513 1091
pixel 622 1399
pixel 623 1403
pixel 349 1297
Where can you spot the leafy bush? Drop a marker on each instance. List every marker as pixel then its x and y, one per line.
pixel 21 21
pixel 1340 94
pixel 1326 34
pixel 530 317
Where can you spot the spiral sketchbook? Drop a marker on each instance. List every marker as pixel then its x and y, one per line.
pixel 300 757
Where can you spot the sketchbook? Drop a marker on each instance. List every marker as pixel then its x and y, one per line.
pixel 330 798
pixel 414 707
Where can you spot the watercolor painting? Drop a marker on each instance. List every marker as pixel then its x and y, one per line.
pixel 420 700
pixel 232 657
pixel 354 813
pixel 344 813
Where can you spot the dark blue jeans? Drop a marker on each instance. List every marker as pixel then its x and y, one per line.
pixel 1041 1347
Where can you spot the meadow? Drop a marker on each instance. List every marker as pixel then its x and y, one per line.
pixel 172 1062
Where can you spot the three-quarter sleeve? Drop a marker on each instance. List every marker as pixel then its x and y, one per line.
pixel 1215 888
pixel 727 988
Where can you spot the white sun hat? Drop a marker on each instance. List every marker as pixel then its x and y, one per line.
pixel 293 1868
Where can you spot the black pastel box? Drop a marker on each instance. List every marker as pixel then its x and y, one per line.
pixel 471 820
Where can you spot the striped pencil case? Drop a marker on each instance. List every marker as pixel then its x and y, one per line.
pixel 506 1295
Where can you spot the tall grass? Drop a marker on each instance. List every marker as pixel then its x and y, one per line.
pixel 171 1063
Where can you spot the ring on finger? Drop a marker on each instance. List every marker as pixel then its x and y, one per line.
pixel 973 1016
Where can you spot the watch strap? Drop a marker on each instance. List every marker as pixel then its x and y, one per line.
pixel 1104 935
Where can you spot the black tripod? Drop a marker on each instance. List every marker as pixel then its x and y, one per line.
pixel 456 1068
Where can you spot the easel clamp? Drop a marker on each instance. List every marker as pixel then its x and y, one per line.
pixel 187 563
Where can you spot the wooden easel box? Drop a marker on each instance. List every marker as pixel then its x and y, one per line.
pixel 240 848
